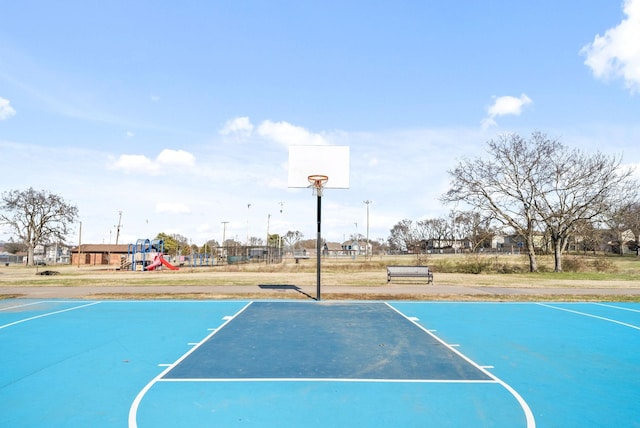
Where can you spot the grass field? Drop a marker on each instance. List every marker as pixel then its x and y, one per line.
pixel 503 270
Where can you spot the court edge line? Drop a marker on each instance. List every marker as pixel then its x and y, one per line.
pixel 133 410
pixel 39 302
pixel 47 314
pixel 531 421
pixel 8 308
pixel 617 307
pixel 322 379
pixel 590 315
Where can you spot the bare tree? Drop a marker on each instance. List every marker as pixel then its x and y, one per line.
pixel 403 236
pixel 633 222
pixel 255 241
pixel 14 247
pixel 433 232
pixel 292 238
pixel 506 184
pixel 622 217
pixel 442 231
pixel 541 186
pixel 357 237
pixel 37 217
pixel 587 236
pixel 581 187
pixel 475 227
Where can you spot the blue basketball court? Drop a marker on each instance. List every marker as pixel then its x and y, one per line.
pixel 318 364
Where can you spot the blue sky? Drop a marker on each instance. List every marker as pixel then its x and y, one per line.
pixel 180 114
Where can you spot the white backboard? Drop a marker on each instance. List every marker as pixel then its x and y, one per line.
pixel 332 161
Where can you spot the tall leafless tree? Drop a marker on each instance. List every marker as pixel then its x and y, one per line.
pixel 539 185
pixel 581 188
pixel 622 217
pixel 474 227
pixel 37 217
pixel 434 230
pixel 291 239
pixel 505 185
pixel 403 236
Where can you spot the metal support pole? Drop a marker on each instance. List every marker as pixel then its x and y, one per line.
pixel 318 250
pixel 366 251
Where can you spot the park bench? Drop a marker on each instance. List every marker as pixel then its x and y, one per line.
pixel 409 272
pixel 300 256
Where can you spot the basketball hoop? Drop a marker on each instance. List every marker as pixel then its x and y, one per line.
pixel 317 183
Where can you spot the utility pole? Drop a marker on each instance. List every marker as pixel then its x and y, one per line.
pixel 268 221
pixel 224 231
pixel 118 226
pixel 79 244
pixel 248 207
pixel 366 251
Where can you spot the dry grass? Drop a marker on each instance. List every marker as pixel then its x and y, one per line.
pixel 622 274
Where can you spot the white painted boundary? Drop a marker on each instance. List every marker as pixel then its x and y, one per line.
pixel 531 422
pixel 47 314
pixel 493 379
pixel 585 314
pixel 133 410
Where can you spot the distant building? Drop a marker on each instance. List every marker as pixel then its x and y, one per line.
pixel 98 254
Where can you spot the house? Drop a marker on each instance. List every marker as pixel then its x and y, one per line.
pixel 98 254
pixel 621 244
pixel 356 248
pixel 57 254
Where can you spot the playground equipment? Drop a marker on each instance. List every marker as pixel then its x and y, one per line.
pixel 160 260
pixel 147 255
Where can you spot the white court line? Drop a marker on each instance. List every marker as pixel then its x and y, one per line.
pixel 39 302
pixel 8 308
pixel 590 316
pixel 326 379
pixel 617 307
pixel 133 410
pixel 47 314
pixel 531 421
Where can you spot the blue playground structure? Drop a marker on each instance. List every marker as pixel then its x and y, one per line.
pixel 201 259
pixel 147 254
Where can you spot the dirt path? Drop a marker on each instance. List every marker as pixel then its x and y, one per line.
pixel 74 283
pixel 331 292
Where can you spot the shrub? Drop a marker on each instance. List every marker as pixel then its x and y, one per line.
pixel 573 264
pixel 475 264
pixel 604 265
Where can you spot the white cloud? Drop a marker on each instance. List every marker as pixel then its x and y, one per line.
pixel 130 134
pixel 172 208
pixel 239 126
pixel 175 158
pixel 288 134
pixel 281 132
pixel 616 54
pixel 6 111
pixel 505 105
pixel 135 163
pixel 142 164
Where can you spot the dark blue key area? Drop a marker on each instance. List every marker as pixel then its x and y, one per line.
pixel 324 340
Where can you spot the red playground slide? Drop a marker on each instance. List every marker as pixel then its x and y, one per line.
pixel 158 260
pixel 167 264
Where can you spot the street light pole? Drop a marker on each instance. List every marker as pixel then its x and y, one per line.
pixel 366 251
pixel 224 231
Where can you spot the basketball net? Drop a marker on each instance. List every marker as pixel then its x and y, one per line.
pixel 317 183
